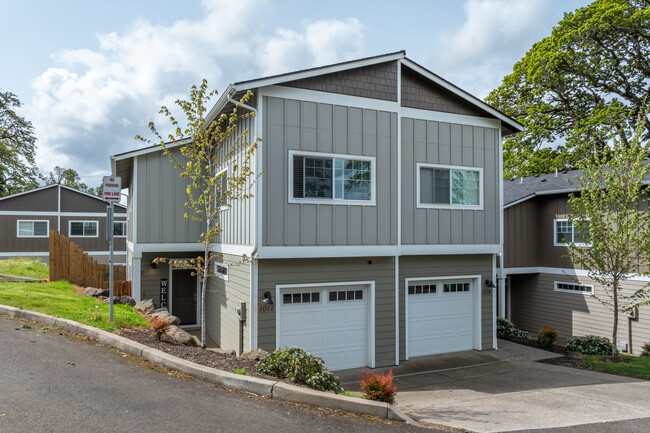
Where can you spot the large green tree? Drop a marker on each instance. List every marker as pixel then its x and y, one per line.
pixel 205 149
pixel 70 177
pixel 591 76
pixel 18 170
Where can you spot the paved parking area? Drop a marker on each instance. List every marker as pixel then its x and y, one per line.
pixel 507 390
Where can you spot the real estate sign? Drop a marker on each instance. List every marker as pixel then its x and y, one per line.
pixel 112 186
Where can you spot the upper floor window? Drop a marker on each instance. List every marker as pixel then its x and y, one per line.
pixel 567 233
pixel 319 178
pixel 442 186
pixel 86 229
pixel 119 229
pixel 33 229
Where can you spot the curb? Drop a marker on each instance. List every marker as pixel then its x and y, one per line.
pixel 17 279
pixel 270 388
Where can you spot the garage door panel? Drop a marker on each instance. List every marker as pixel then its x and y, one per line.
pixel 440 321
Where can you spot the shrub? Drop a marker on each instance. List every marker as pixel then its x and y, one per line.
pixel 158 326
pixel 241 371
pixel 646 349
pixel 378 386
pixel 590 345
pixel 547 336
pixel 507 329
pixel 296 365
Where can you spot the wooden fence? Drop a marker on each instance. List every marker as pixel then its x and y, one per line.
pixel 69 262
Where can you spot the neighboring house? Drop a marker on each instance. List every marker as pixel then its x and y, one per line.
pixel 374 226
pixel 544 288
pixel 27 218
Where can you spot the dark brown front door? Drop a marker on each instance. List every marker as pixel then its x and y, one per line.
pixel 184 295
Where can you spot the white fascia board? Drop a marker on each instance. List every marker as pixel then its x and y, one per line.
pixel 63 214
pixel 463 94
pixel 24 254
pixel 147 150
pixel 330 98
pixel 410 250
pixel 284 252
pixel 559 271
pixel 236 250
pixel 140 248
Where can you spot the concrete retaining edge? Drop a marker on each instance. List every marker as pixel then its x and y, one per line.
pixel 265 387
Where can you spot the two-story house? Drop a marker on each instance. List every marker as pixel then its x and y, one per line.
pixel 544 287
pixel 26 219
pixel 373 228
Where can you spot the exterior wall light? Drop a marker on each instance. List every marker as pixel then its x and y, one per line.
pixel 489 283
pixel 267 298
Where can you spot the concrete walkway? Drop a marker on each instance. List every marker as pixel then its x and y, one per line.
pixel 507 390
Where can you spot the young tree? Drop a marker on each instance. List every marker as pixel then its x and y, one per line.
pixel 589 77
pixel 611 210
pixel 18 170
pixel 204 150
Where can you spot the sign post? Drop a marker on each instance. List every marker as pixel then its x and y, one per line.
pixel 112 187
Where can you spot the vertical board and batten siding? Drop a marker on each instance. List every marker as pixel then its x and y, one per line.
pixel 9 240
pixel 161 199
pixel 311 127
pixel 129 212
pixel 522 232
pixel 446 266
pixel 535 303
pixel 44 200
pixel 315 271
pixel 449 144
pixel 222 297
pixel 237 220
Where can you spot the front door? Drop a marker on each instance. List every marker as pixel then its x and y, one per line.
pixel 184 295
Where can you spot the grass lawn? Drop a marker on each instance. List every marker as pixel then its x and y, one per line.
pixel 60 300
pixel 632 366
pixel 24 267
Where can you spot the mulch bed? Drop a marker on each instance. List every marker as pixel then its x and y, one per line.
pixel 565 359
pixel 198 355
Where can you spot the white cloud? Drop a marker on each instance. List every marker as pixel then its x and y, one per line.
pixel 494 35
pixel 92 103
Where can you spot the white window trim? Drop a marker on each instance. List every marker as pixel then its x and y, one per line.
pixel 421 205
pixel 119 222
pixel 562 244
pixel 18 235
pixel 219 173
pixel 220 275
pixel 373 179
pixel 70 235
pixel 578 292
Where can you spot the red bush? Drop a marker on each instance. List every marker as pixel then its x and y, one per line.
pixel 158 326
pixel 378 386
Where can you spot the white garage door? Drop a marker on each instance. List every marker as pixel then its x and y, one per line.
pixel 440 316
pixel 331 322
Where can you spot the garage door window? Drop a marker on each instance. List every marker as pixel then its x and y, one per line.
pixel 301 298
pixel 422 289
pixel 346 295
pixel 456 287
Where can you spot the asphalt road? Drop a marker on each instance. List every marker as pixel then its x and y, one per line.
pixel 51 382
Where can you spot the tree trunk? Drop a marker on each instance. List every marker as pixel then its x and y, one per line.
pixel 204 288
pixel 615 331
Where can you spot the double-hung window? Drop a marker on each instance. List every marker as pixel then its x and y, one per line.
pixel 33 229
pixel 327 178
pixel 119 229
pixel 443 186
pixel 565 232
pixel 83 229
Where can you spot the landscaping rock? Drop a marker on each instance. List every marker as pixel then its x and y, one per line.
pixel 159 310
pixel 180 336
pixel 125 300
pixel 145 306
pixel 221 351
pixel 162 312
pixel 93 291
pixel 255 354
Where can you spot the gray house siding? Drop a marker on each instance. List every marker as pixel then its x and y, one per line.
pixel 446 266
pixel 376 81
pixel 44 200
pixel 306 126
pixel 9 240
pixel 522 232
pixel 222 297
pixel 458 145
pixel 161 202
pixel 381 270
pixel 535 303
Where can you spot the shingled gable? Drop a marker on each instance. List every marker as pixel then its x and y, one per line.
pixel 376 78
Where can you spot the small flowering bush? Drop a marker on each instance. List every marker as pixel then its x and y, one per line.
pixel 590 345
pixel 506 329
pixel 296 365
pixel 158 326
pixel 547 336
pixel 378 386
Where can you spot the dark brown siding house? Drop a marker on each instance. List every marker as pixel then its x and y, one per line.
pixel 27 218
pixel 543 287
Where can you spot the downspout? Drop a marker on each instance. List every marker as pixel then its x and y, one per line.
pixel 253 273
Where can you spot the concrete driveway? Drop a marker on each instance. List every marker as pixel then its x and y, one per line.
pixel 506 390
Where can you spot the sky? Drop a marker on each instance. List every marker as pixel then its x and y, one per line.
pixel 92 74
